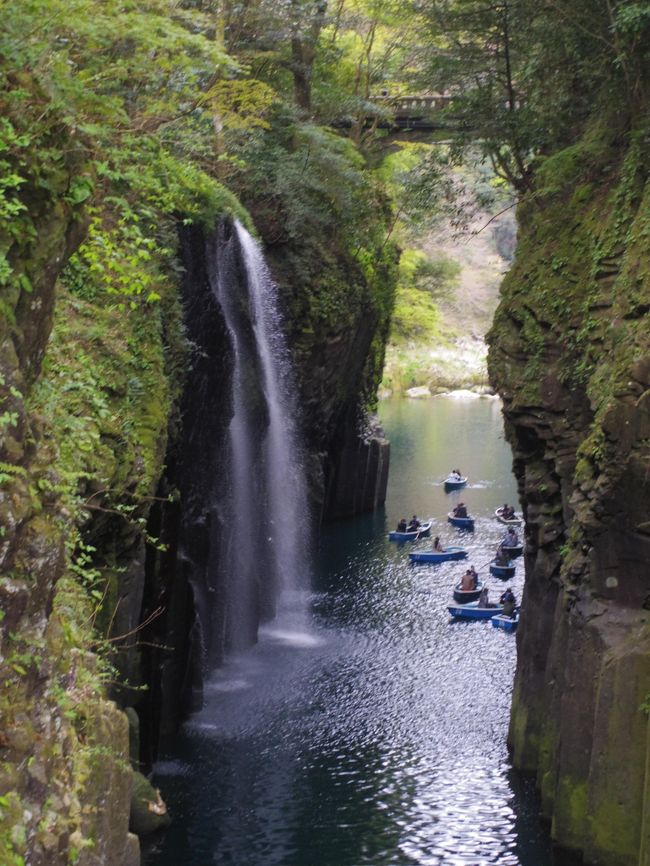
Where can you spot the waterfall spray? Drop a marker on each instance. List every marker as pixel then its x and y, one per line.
pixel 265 507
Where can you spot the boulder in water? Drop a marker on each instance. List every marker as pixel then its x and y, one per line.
pixel 422 391
pixel 148 809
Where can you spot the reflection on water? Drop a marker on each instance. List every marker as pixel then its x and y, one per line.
pixel 378 735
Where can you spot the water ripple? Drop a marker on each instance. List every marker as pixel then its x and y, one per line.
pixel 376 735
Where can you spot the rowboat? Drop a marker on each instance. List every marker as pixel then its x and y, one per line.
pixel 460 522
pixel 515 550
pixel 465 596
pixel 473 611
pixel 455 483
pixel 422 532
pixel 502 570
pixel 513 521
pixel 433 556
pixel 507 623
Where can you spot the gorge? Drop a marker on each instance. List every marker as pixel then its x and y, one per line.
pixel 200 254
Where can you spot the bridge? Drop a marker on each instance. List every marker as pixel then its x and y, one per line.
pixel 412 111
pixel 406 112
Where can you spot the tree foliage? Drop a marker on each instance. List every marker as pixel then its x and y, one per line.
pixel 526 75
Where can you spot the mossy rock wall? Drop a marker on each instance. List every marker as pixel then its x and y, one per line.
pixel 570 355
pixel 62 741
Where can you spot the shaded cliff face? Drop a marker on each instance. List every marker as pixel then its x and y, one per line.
pixel 338 318
pixel 570 355
pixel 192 579
pixel 336 358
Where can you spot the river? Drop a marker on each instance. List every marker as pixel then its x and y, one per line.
pixel 376 734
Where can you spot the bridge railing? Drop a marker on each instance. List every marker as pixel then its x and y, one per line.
pixel 404 105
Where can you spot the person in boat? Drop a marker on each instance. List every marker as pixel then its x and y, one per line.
pixel 501 558
pixel 483 600
pixel 509 602
pixel 414 524
pixel 467 582
pixel 474 574
pixel 401 526
pixel 507 511
pixel 437 547
pixel 460 510
pixel 510 539
pixel 455 475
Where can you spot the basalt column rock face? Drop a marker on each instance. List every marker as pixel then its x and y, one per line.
pixel 177 579
pixel 236 472
pixel 338 319
pixel 356 470
pixel 570 355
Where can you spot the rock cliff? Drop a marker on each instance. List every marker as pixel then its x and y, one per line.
pixel 338 309
pixel 64 773
pixel 336 323
pixel 570 355
pixel 99 395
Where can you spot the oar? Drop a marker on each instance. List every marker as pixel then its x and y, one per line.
pixel 429 521
pixel 484 564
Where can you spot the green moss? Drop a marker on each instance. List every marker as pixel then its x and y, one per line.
pixel 524 748
pixel 571 812
pixel 63 658
pixel 613 828
pixel 148 813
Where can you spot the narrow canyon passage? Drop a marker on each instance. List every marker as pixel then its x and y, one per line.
pixel 378 734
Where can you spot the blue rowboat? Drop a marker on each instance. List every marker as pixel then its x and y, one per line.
pixel 502 570
pixel 513 521
pixel 460 522
pixel 422 532
pixel 455 484
pixel 507 623
pixel 473 611
pixel 515 550
pixel 433 556
pixel 465 596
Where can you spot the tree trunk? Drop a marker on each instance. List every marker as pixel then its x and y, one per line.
pixel 308 19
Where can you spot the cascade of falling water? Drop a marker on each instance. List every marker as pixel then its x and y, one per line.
pixel 267 525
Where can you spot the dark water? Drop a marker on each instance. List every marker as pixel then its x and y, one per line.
pixel 374 732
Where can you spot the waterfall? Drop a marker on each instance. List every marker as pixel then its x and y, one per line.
pixel 263 503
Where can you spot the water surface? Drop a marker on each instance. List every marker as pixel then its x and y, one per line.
pixel 377 734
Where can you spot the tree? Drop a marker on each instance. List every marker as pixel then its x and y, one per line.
pixel 526 75
pixel 307 19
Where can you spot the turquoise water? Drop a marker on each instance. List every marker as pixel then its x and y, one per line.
pixel 375 734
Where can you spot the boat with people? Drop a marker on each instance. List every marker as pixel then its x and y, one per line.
pixel 421 532
pixel 473 611
pixel 460 522
pixel 455 481
pixel 499 569
pixel 447 554
pixel 465 596
pixel 509 521
pixel 510 544
pixel 507 623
